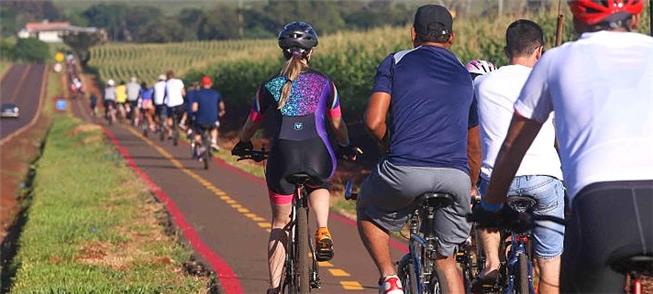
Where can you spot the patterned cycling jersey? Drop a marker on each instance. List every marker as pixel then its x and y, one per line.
pixel 312 98
pixel 300 140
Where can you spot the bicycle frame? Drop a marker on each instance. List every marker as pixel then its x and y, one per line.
pixel 518 246
pixel 424 240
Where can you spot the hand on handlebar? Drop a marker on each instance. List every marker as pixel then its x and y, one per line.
pixel 242 148
pixel 504 218
pixel 349 152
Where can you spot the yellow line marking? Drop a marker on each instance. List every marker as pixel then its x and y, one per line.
pixel 325 264
pixel 351 285
pixel 336 272
pixel 260 221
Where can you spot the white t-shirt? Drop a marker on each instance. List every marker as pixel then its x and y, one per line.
pixel 601 89
pixel 174 89
pixel 496 93
pixel 159 92
pixel 133 90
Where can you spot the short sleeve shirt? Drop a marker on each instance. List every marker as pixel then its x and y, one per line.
pixel 601 89
pixel 208 101
pixel 174 88
pixel 431 98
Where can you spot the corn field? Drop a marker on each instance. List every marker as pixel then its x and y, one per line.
pixel 349 58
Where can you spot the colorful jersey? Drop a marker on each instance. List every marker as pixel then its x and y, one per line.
pixel 431 107
pixel 121 94
pixel 313 97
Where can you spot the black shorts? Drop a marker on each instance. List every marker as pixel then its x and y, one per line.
pixel 175 111
pixel 288 157
pixel 199 128
pixel 109 103
pixel 610 221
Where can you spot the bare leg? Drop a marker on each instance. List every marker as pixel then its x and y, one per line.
pixel 214 135
pixel 319 201
pixel 376 241
pixel 491 241
pixel 549 275
pixel 449 273
pixel 277 242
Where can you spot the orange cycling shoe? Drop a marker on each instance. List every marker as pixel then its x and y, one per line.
pixel 323 244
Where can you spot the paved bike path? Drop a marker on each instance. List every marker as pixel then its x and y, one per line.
pixel 230 211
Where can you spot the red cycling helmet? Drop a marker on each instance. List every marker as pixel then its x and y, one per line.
pixel 592 12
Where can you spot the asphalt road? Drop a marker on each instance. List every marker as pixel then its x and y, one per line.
pixel 229 210
pixel 22 86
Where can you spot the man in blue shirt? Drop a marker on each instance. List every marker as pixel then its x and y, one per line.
pixel 208 108
pixel 427 95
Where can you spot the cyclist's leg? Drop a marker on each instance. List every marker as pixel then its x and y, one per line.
pixel 609 221
pixel 387 197
pixel 278 239
pixel 490 240
pixel 548 236
pixel 451 226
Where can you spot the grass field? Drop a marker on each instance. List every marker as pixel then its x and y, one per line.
pixel 92 227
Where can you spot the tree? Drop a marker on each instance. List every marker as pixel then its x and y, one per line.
pixel 31 50
pixel 81 41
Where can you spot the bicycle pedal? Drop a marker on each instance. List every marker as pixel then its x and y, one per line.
pixel 324 250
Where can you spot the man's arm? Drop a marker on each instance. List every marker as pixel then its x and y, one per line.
pixel 194 107
pixel 375 116
pixel 221 109
pixel 474 156
pixel 521 134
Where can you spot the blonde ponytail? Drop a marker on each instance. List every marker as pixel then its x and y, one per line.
pixel 291 70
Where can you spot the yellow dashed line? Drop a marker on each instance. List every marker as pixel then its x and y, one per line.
pixel 336 272
pixel 260 221
pixel 351 285
pixel 264 225
pixel 325 264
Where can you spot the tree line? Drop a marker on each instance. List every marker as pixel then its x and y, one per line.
pixel 149 22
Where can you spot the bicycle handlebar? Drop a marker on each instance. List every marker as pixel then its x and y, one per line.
pixel 256 155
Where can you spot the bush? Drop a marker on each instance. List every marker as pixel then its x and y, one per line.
pixel 31 50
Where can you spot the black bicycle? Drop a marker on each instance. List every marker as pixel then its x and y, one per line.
pixel 301 270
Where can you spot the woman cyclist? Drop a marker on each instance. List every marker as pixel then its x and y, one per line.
pixel 299 99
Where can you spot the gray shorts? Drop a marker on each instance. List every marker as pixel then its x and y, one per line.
pixel 389 195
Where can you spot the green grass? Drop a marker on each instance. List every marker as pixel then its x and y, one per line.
pixel 92 227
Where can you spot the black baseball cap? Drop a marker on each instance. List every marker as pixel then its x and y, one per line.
pixel 433 20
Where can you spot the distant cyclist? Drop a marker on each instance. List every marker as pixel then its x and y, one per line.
pixel 187 120
pixel 174 100
pixel 539 174
pixel 159 99
pixel 133 90
pixel 421 105
pixel 110 100
pixel 300 101
pixel 146 102
pixel 208 108
pixel 600 89
pixel 479 67
pixel 121 99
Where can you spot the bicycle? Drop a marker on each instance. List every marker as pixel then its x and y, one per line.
pixel 301 270
pixel 202 151
pixel 635 267
pixel 417 267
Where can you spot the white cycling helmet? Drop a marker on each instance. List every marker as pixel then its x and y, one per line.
pixel 480 67
pixel 110 82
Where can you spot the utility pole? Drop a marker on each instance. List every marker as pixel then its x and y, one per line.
pixel 500 4
pixel 241 21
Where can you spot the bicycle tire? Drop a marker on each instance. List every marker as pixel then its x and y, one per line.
pixel 175 136
pixel 524 287
pixel 162 134
pixel 302 280
pixel 407 275
pixel 207 152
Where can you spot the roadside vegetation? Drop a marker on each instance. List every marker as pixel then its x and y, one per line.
pixel 93 227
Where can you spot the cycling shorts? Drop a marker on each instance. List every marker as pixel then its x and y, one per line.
pixel 609 221
pixel 200 127
pixel 175 111
pixel 289 157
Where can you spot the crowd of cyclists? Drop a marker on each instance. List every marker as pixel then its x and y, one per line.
pixel 166 106
pixel 571 127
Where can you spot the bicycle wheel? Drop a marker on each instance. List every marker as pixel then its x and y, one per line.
pixel 524 283
pixel 162 133
pixel 207 152
pixel 407 275
pixel 301 259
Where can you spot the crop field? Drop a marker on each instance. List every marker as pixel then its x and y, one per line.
pixel 349 58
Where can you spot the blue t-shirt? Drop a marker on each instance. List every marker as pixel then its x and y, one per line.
pixel 208 101
pixel 431 107
pixel 190 98
pixel 147 93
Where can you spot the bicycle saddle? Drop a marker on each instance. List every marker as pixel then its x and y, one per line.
pixel 299 179
pixel 521 203
pixel 437 200
pixel 642 264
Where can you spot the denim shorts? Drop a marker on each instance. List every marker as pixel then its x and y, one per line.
pixel 549 193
